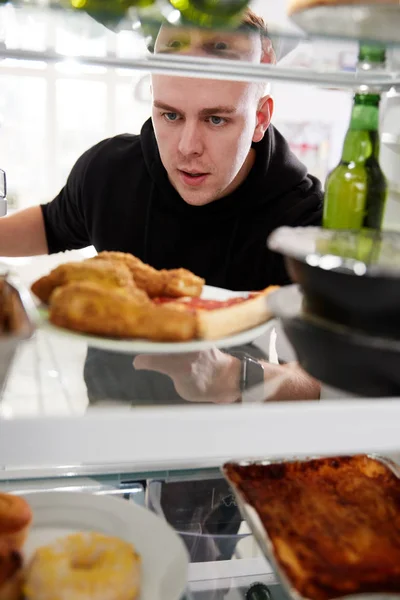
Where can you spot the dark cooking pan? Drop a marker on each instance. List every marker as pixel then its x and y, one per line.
pixel 351 278
pixel 356 362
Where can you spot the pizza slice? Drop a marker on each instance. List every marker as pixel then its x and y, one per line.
pixel 220 318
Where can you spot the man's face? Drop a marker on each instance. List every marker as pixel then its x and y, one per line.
pixel 204 128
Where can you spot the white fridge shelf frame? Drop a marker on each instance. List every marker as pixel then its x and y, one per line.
pixel 194 437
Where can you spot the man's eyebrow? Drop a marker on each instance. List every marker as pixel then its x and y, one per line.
pixel 206 112
pixel 166 107
pixel 209 112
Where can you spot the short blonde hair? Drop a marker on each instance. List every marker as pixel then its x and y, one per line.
pixel 256 23
pixel 253 21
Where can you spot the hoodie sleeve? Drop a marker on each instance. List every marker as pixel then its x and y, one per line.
pixel 65 216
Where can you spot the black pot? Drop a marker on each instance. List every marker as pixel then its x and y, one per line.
pixel 350 278
pixel 359 363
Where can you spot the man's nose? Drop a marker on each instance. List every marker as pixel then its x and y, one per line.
pixel 190 141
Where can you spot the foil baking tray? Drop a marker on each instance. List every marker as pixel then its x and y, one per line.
pixel 23 319
pixel 257 528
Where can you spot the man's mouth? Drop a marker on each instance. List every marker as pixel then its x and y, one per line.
pixel 193 173
pixel 192 177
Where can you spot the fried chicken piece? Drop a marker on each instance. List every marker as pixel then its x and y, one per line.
pixel 173 282
pixel 116 312
pixel 107 273
pixel 181 282
pixel 146 277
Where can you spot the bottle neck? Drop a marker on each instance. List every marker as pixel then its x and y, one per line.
pixel 371 57
pixel 362 138
pixel 365 113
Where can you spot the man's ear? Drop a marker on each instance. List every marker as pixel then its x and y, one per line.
pixel 268 55
pixel 264 116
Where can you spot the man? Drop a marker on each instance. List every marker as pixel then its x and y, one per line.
pixel 201 187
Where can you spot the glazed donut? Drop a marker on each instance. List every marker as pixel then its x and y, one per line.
pixel 15 519
pixel 84 566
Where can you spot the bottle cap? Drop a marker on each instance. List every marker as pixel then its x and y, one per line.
pixel 258 591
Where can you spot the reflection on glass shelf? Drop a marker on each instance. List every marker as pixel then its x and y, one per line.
pixel 367 21
pixel 222 69
pixel 51 36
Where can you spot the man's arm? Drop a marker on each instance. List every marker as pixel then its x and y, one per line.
pixel 23 233
pixel 214 376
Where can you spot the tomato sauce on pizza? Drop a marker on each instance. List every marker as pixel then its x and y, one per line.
pixel 204 303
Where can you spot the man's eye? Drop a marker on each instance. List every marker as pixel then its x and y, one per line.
pixel 176 44
pixel 170 116
pixel 217 121
pixel 220 45
pixel 216 46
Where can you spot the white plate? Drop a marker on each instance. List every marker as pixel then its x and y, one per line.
pixel 164 556
pixel 378 21
pixel 141 346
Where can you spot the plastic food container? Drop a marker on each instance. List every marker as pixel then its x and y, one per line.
pixel 204 513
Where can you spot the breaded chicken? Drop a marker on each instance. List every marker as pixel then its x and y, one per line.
pixel 116 312
pixel 181 282
pixel 173 282
pixel 145 276
pixel 106 273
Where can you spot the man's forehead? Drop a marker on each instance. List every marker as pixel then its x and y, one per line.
pixel 223 44
pixel 199 96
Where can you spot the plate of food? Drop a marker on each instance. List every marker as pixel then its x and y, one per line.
pixel 76 545
pixel 115 302
pixel 329 526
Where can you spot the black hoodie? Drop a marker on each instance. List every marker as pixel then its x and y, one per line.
pixel 118 197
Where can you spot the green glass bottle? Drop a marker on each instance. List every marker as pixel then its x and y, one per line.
pixel 211 13
pixel 108 12
pixel 371 57
pixel 356 190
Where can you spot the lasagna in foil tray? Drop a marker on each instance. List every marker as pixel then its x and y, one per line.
pixel 329 526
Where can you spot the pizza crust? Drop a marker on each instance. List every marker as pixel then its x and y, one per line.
pixel 218 323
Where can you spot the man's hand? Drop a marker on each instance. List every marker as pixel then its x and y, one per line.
pixel 213 376
pixel 208 376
